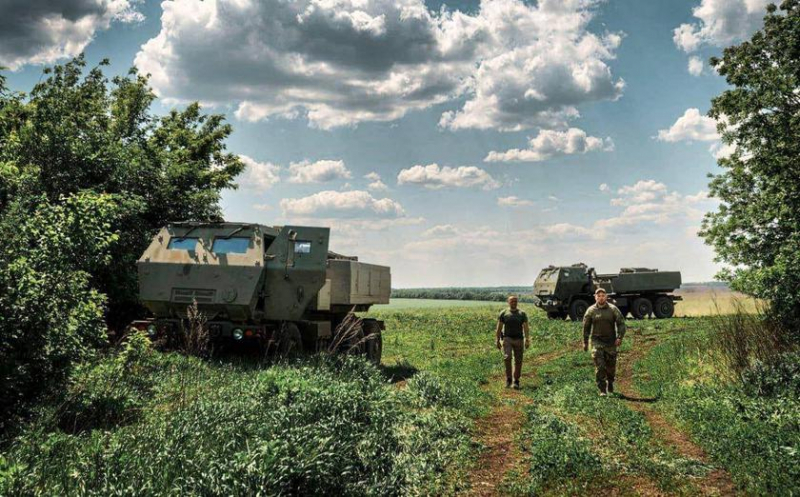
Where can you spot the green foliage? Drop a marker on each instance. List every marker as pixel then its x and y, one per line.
pixel 557 451
pixel 327 426
pixel 751 426
pixel 757 227
pixel 487 294
pixel 111 391
pixel 77 131
pixel 50 316
pixel 87 174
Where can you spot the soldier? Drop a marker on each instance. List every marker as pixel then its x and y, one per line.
pixel 512 326
pixel 606 325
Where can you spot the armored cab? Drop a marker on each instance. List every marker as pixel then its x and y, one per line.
pixel 278 284
pixel 564 291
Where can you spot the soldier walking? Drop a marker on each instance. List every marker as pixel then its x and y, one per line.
pixel 512 328
pixel 606 325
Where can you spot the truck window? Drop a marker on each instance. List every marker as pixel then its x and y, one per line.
pixel 176 243
pixel 230 245
pixel 302 247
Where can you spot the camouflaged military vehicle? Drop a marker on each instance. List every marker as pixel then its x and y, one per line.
pixel 254 283
pixel 569 290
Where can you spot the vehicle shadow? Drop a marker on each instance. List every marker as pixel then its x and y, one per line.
pixel 399 371
pixel 644 400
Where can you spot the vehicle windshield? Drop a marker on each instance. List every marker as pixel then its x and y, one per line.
pixel 236 245
pixel 177 243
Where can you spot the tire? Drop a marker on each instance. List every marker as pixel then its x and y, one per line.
pixel 664 308
pixel 641 308
pixel 553 315
pixel 577 309
pixel 373 342
pixel 289 342
pixel 624 310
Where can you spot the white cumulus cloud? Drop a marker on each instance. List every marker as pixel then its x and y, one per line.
pixel 604 188
pixel 552 143
pixel 695 66
pixel 376 184
pixel 720 23
pixel 321 171
pixel 434 177
pixel 259 175
pixel 691 126
pixel 342 62
pixel 513 201
pixel 41 32
pixel 354 203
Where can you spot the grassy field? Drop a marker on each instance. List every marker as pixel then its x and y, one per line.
pixel 435 418
pixel 696 302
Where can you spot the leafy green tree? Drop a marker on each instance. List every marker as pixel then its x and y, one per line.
pixel 79 131
pixel 756 229
pixel 87 175
pixel 50 316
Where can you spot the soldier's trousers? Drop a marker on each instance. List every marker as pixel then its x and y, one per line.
pixel 605 363
pixel 515 347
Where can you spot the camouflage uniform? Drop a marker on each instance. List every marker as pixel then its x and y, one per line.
pixel 605 325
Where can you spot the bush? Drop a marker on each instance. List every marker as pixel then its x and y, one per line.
pixel 112 391
pixel 50 317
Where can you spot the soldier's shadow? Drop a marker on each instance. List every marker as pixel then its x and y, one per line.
pixel 644 400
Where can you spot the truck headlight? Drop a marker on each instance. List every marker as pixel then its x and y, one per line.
pixel 151 329
pixel 238 334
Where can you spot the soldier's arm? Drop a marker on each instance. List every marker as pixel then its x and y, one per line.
pixel 619 319
pixel 526 330
pixel 499 331
pixel 587 328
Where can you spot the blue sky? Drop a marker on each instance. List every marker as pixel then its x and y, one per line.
pixel 498 137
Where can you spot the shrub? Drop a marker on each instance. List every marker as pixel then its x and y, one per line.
pixel 111 391
pixel 50 317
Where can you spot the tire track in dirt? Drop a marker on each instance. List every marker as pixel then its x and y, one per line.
pixel 718 481
pixel 497 432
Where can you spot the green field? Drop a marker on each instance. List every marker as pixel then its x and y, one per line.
pixel 435 418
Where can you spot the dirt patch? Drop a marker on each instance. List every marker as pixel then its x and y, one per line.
pixel 497 432
pixel 716 482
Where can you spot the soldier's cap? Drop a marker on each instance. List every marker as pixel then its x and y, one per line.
pixel 600 290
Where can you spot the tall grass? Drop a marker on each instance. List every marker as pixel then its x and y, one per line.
pixel 742 339
pixel 326 425
pixel 734 384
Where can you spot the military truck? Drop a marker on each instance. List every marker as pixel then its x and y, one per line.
pixel 254 283
pixel 564 291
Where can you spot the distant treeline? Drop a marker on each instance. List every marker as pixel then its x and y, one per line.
pixel 494 293
pixel 501 293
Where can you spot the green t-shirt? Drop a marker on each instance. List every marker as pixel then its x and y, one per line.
pixel 512 322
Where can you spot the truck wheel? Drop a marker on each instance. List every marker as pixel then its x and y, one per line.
pixel 289 341
pixel 577 309
pixel 553 315
pixel 373 342
pixel 664 308
pixel 624 310
pixel 641 308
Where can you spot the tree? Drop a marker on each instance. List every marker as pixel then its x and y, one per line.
pixel 87 176
pixel 79 132
pixel 756 229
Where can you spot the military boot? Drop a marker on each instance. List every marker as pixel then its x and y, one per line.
pixel 508 382
pixel 602 387
pixel 610 387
